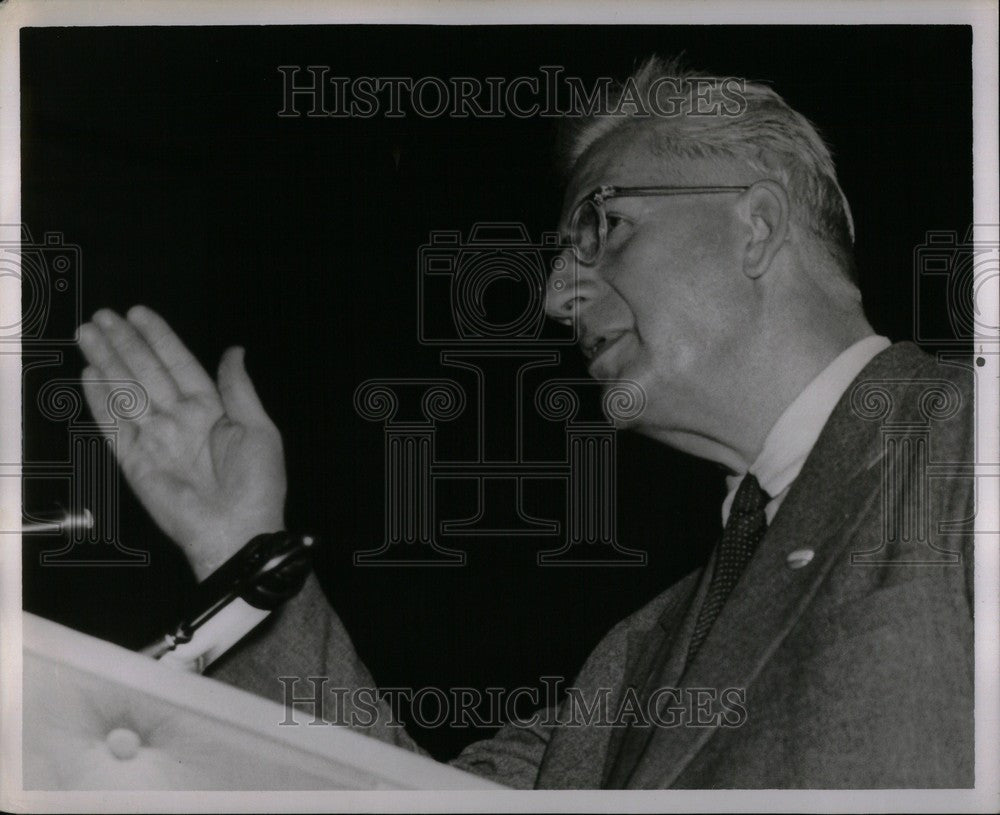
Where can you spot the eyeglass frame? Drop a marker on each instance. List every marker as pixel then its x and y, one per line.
pixel 606 192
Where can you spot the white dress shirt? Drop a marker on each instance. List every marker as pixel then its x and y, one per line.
pixel 795 433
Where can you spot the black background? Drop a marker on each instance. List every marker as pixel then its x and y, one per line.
pixel 160 153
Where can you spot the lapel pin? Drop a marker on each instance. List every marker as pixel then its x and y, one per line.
pixel 799 558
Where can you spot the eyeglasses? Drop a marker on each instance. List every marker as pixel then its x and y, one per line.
pixel 588 231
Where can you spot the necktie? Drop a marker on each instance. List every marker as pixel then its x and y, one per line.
pixel 744 529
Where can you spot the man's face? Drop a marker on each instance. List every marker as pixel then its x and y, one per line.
pixel 666 304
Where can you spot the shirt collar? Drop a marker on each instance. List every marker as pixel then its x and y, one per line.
pixel 795 433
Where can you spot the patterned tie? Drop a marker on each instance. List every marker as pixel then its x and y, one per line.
pixel 744 529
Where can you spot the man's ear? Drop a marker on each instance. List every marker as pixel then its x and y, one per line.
pixel 765 210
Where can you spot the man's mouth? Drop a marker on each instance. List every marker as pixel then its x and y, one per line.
pixel 596 345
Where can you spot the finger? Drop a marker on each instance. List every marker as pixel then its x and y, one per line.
pixel 97 392
pixel 98 351
pixel 188 374
pixel 133 350
pixel 239 397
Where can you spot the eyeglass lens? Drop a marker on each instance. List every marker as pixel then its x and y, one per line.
pixel 587 231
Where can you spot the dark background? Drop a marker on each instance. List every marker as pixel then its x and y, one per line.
pixel 159 153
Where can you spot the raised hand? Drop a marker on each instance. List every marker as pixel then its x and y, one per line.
pixel 205 459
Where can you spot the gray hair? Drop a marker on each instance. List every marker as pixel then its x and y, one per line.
pixel 764 132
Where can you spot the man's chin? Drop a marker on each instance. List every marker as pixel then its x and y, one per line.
pixel 615 356
pixel 604 369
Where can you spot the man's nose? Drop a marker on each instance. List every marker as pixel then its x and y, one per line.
pixel 570 287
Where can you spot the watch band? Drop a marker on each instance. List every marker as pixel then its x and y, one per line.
pixel 269 570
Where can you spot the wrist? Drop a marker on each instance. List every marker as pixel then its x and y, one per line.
pixel 209 552
pixel 260 577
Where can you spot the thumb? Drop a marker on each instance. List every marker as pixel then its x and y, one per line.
pixel 239 397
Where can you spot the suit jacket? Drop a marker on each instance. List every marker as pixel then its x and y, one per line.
pixel 842 659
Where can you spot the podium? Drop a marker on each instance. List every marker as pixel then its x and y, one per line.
pixel 100 717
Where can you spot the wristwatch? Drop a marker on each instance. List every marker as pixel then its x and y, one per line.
pixel 269 570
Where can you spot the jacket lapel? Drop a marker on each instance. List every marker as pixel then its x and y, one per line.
pixel 838 484
pixel 763 608
pixel 658 654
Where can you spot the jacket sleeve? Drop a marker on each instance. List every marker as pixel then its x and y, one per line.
pixel 304 653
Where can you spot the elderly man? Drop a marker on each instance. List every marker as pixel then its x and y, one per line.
pixel 827 643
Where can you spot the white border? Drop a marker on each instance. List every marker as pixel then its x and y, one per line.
pixel 462 12
pixel 981 15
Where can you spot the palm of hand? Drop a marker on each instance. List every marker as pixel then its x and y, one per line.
pixel 205 460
